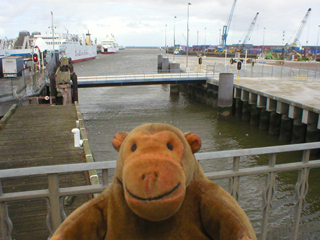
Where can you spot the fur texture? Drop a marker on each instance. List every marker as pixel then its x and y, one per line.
pixel 159 191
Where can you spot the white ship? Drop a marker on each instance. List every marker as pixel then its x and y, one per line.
pixel 109 45
pixel 19 46
pixel 68 45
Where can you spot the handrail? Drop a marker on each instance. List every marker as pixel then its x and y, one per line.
pixel 257 151
pixel 64 168
pixel 54 192
pixel 142 76
pixel 77 167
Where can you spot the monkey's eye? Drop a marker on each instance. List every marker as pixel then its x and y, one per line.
pixel 133 147
pixel 169 146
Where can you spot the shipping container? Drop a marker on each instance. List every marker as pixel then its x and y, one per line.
pixel 12 66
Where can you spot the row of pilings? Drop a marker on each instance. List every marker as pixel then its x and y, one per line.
pixel 289 130
pixel 165 66
pixel 276 117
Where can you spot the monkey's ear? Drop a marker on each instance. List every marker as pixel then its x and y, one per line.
pixel 118 140
pixel 194 141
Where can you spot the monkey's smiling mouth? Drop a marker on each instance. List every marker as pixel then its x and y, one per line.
pixel 154 198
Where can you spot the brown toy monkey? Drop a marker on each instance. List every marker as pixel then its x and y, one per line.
pixel 159 191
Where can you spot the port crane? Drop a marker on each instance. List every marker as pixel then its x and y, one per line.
pixel 302 25
pixel 226 28
pixel 247 37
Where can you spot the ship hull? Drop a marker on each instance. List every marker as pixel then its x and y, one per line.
pixel 78 52
pixel 82 59
pixel 110 51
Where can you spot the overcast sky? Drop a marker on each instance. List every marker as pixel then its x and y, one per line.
pixel 151 22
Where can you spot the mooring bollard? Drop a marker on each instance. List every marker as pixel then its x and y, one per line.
pixel 174 67
pixel 225 94
pixel 77 139
pixel 160 62
pixel 165 65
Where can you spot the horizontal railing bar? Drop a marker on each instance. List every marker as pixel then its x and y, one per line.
pixel 15 196
pixel 89 189
pixel 75 167
pixel 286 167
pixel 79 190
pixel 142 76
pixel 257 151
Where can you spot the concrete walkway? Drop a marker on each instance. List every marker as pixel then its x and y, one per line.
pixel 302 89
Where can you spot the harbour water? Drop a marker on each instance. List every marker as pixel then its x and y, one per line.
pixel 112 109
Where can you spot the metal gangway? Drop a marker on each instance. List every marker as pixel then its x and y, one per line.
pixel 142 79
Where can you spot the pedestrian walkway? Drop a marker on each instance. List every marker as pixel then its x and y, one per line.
pixel 39 136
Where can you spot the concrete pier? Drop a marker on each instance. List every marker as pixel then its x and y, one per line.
pixel 165 65
pixel 174 68
pixel 160 56
pixel 286 128
pixel 299 131
pixel 225 94
pixel 290 123
pixel 255 116
pixel 284 107
pixel 174 89
pixel 264 119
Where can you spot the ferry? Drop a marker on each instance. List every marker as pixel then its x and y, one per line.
pixel 17 47
pixel 109 45
pixel 68 45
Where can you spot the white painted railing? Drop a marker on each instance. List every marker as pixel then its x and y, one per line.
pixel 145 76
pixel 55 192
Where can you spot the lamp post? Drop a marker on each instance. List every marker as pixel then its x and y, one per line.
pixel 205 40
pixel 197 38
pixel 317 43
pixel 54 55
pixel 174 32
pixel 174 36
pixel 187 53
pixel 165 40
pixel 264 30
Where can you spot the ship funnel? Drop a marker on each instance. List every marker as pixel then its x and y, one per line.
pixel 88 39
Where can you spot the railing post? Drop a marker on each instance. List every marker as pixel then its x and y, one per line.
pixel 234 181
pixel 105 177
pixel 301 190
pixel 5 222
pixel 54 196
pixel 267 196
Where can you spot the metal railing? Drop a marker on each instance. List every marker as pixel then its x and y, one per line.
pixel 55 192
pixel 296 73
pixel 145 76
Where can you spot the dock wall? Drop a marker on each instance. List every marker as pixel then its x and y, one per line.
pixel 292 122
pixel 7 116
pixel 94 179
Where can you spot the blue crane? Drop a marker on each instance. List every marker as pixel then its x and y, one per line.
pixel 226 28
